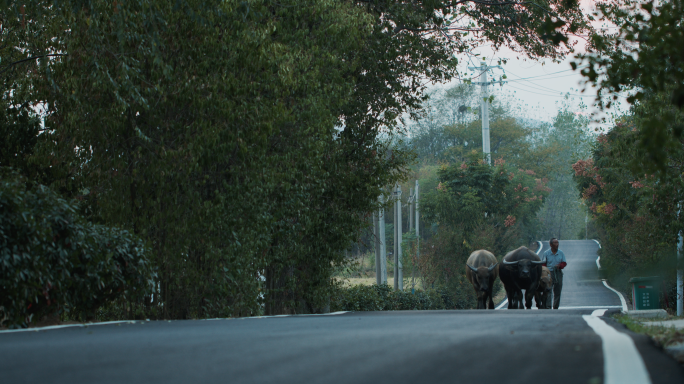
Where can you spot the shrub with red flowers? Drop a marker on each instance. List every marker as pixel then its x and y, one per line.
pixel 478 206
pixel 635 214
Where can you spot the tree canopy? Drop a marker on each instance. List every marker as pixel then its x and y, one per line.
pixel 245 142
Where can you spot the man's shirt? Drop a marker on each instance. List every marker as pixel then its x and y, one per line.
pixel 553 260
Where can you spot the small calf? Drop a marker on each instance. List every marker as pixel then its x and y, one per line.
pixel 544 289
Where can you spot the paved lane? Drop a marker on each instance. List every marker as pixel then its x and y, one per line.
pixel 581 285
pixel 372 347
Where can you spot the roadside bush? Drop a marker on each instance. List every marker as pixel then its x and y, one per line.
pixel 52 260
pixel 384 298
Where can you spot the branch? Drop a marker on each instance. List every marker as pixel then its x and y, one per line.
pixel 10 65
pixel 523 3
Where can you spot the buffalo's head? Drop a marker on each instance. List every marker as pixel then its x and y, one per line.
pixel 524 266
pixel 482 275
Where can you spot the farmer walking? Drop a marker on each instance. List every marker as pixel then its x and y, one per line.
pixel 555 261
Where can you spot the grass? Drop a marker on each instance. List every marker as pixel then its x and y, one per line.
pixel 349 281
pixel 662 335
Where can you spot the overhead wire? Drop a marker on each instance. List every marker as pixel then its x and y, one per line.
pixel 536 85
pixel 542 88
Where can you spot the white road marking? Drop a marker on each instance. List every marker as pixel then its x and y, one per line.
pixel 597 262
pixel 599 244
pixel 313 314
pixel 599 312
pixel 622 362
pixel 622 298
pixel 67 326
pixel 502 304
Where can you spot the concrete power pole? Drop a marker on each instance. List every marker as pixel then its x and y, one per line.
pixel 680 277
pixel 484 106
pixel 410 209
pixel 417 219
pixel 380 247
pixel 398 272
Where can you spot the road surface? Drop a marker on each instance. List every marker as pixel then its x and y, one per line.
pixel 474 346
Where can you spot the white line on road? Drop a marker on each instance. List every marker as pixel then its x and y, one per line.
pixel 599 312
pixel 502 304
pixel 622 362
pixel 622 298
pixel 313 314
pixel 599 244
pixel 66 326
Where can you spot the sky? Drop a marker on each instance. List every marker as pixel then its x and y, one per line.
pixel 544 86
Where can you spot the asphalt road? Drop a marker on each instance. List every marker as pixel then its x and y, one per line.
pixel 581 284
pixel 476 346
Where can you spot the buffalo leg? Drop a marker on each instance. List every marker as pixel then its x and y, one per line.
pixel 544 299
pixel 491 301
pixel 529 294
pixel 511 298
pixel 480 299
pixel 481 302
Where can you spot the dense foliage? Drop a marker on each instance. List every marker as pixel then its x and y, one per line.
pixel 384 298
pixel 477 206
pixel 52 261
pixel 632 180
pixel 636 215
pixel 245 142
pixel 642 57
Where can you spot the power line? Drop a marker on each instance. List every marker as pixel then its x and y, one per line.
pixel 541 78
pixel 562 95
pixel 548 74
pixel 536 85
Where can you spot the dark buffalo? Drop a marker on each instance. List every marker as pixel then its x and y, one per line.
pixel 544 289
pixel 481 270
pixel 520 270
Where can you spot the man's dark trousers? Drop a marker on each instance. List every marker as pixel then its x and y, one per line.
pixel 557 276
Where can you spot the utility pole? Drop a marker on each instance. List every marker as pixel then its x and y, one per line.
pixel 380 247
pixel 417 219
pixel 410 208
pixel 680 277
pixel 378 244
pixel 398 272
pixel 586 226
pixel 484 106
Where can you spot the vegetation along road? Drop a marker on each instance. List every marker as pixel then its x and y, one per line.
pixel 581 345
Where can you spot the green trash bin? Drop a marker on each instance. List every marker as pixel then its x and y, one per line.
pixel 645 292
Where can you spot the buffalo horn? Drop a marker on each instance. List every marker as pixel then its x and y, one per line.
pixel 472 268
pixel 492 267
pixel 506 262
pixel 538 262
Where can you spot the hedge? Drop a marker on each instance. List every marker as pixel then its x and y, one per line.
pixel 384 298
pixel 52 260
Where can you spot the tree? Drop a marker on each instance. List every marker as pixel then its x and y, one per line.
pixel 635 213
pixel 644 57
pixel 477 206
pixel 242 140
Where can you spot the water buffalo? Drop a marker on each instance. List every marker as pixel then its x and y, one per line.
pixel 481 270
pixel 544 289
pixel 520 270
